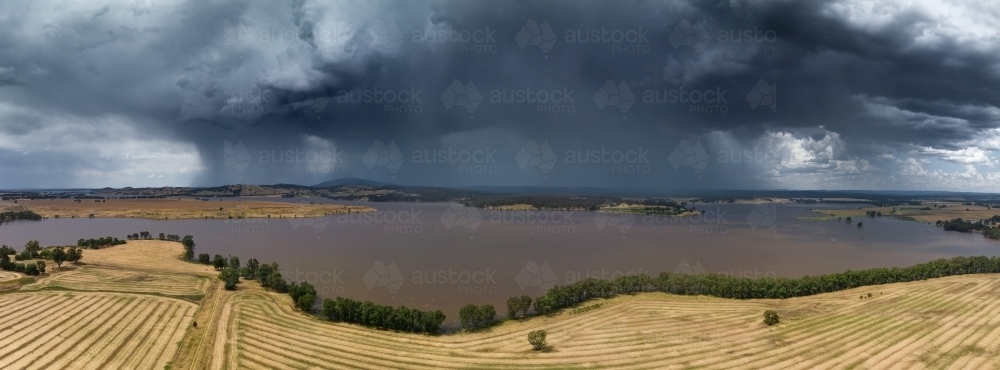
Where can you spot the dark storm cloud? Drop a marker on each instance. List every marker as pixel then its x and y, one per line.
pixel 268 79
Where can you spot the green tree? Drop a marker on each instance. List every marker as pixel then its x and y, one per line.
pixel 263 275
pixel 32 248
pixel 41 266
pixel 5 262
pixel 277 283
pixel 250 271
pixel 513 305
pixel 59 256
pixel 537 339
pixel 771 318
pixel 230 277
pixel 474 318
pixel 306 302
pixel 525 305
pixel 74 255
pixel 204 258
pixel 29 269
pixel 468 315
pixel 487 315
pixel 234 263
pixel 219 262
pixel 188 243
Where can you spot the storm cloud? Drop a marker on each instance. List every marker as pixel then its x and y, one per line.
pixel 663 95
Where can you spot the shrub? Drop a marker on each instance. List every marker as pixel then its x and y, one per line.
pixel 771 318
pixel 537 339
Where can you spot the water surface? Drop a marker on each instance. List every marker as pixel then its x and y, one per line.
pixel 424 255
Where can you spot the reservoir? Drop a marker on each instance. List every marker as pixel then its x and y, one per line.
pixel 443 256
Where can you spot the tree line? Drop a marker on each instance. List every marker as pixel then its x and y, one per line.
pixel 99 242
pixel 304 297
pixel 9 216
pixel 725 286
pixel 473 317
pixel 966 226
pixel 32 250
pixel 382 317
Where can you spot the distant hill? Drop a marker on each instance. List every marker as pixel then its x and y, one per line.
pixel 349 181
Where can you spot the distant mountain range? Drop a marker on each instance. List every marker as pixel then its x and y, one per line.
pixel 349 181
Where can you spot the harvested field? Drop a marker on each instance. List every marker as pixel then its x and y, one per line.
pixel 146 256
pixel 48 330
pixel 180 208
pixel 950 322
pixel 8 276
pixel 127 281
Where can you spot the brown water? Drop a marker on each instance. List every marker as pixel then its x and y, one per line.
pixel 433 260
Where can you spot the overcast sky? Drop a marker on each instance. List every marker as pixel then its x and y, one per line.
pixel 666 94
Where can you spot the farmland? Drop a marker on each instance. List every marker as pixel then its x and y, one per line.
pixel 8 276
pixel 928 212
pixel 90 330
pixel 134 306
pixel 943 323
pixel 119 280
